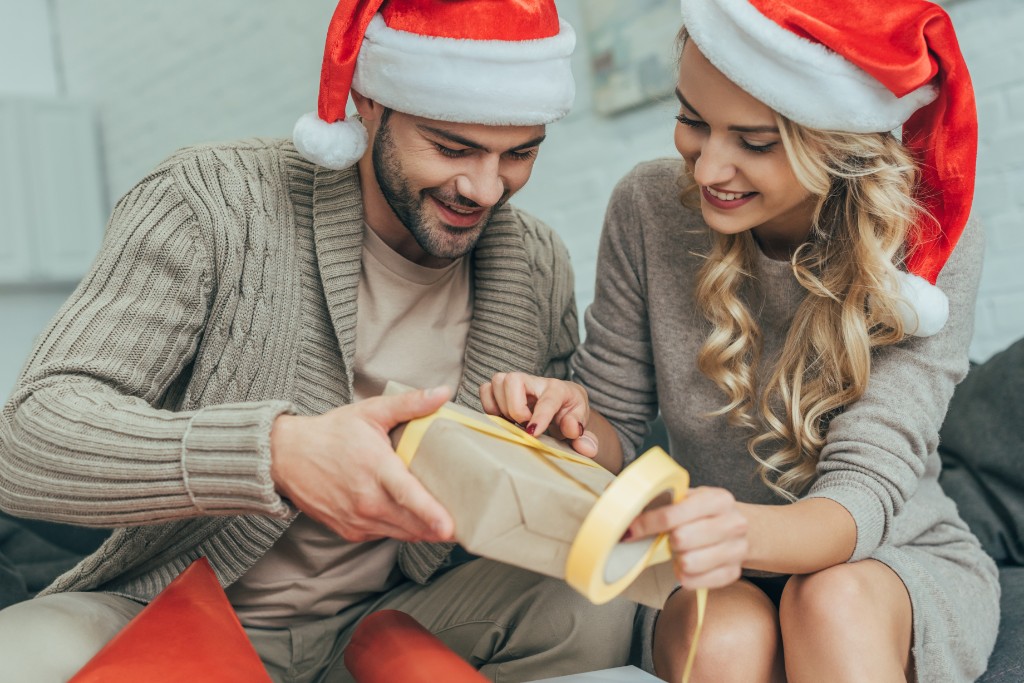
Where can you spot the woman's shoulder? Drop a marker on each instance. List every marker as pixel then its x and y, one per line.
pixel 648 198
pixel 654 178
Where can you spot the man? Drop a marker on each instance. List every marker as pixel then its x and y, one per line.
pixel 212 387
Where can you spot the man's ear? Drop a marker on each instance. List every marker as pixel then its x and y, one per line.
pixel 369 110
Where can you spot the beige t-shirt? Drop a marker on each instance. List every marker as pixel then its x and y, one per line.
pixel 412 327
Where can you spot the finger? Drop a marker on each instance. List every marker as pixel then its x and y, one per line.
pixel 570 420
pixel 352 527
pixel 426 516
pixel 390 411
pixel 550 401
pixel 586 445
pixel 700 502
pixel 728 553
pixel 717 578
pixel 369 532
pixel 487 401
pixel 517 396
pixel 707 532
pixel 498 393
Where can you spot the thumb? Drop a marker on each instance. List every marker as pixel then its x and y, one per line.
pixel 390 411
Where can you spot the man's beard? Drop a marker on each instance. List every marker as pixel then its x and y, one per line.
pixel 434 236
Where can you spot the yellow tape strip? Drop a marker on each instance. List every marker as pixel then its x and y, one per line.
pixel 653 474
pixel 702 604
pixel 497 427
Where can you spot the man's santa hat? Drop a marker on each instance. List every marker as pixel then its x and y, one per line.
pixel 496 62
pixel 864 66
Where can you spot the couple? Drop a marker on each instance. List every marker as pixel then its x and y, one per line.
pixel 794 295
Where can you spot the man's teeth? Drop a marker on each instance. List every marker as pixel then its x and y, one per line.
pixel 455 209
pixel 726 196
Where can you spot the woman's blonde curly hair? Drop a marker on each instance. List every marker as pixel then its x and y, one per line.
pixel 865 211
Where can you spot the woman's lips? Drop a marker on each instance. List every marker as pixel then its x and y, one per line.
pixel 720 203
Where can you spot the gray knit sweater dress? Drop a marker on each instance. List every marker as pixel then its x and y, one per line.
pixel 879 462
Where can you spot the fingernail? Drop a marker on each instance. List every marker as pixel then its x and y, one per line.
pixel 581 429
pixel 531 428
pixel 437 391
pixel 586 438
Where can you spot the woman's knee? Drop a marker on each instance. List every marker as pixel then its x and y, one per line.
pixel 740 618
pixel 826 601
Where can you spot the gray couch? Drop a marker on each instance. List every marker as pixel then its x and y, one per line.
pixel 982 448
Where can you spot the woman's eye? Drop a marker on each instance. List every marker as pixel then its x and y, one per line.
pixel 692 123
pixel 757 149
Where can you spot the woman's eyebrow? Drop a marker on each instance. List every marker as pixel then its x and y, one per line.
pixel 682 101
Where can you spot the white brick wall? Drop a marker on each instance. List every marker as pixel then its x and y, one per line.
pixel 989 33
pixel 168 74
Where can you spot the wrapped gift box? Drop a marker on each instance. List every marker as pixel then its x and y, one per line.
pixel 533 503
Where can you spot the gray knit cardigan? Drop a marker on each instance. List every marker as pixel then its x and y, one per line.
pixel 225 295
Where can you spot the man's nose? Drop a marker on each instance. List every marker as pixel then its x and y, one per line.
pixel 482 183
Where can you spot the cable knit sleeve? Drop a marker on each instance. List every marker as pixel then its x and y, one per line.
pixel 555 296
pixel 876 450
pixel 85 437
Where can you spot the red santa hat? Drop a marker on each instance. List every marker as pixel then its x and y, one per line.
pixel 864 66
pixel 496 62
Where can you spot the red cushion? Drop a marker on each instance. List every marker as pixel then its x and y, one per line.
pixel 189 632
pixel 390 646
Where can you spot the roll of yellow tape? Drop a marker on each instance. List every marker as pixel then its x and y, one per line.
pixel 598 565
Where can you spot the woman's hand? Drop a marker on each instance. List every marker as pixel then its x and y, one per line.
pixel 542 404
pixel 707 534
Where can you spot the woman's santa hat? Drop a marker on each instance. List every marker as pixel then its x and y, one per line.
pixel 496 62
pixel 864 66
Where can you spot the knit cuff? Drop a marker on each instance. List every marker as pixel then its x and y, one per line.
pixel 867 513
pixel 225 459
pixel 420 561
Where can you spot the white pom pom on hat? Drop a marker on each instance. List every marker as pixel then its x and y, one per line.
pixel 860 67
pixel 334 145
pixel 469 61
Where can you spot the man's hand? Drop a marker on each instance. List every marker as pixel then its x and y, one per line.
pixel 340 469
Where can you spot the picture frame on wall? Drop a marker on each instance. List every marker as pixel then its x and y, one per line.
pixel 631 49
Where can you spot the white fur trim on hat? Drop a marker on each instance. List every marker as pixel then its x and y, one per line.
pixel 494 82
pixel 924 309
pixel 800 79
pixel 335 145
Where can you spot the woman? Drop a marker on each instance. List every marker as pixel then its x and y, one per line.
pixel 789 319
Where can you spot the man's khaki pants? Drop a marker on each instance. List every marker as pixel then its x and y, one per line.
pixel 513 625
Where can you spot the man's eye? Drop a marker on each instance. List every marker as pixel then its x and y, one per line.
pixel 449 152
pixel 524 155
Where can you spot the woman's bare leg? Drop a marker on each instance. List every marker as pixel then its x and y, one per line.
pixel 851 622
pixel 740 640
